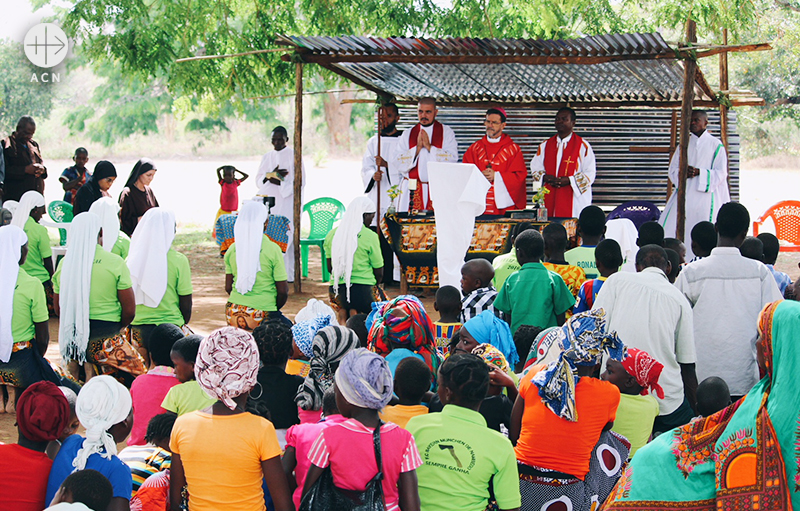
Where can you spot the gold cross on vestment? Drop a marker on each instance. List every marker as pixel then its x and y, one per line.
pixel 568 161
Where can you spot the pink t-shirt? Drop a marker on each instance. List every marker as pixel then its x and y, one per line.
pixel 340 444
pixel 229 195
pixel 309 416
pixel 148 392
pixel 302 437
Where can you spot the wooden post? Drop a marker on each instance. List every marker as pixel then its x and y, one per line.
pixel 690 69
pixel 723 109
pixel 298 173
pixel 673 143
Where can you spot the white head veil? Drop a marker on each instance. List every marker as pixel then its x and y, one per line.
pixel 28 201
pixel 102 402
pixel 345 241
pixel 108 211
pixel 147 258
pixel 12 238
pixel 76 282
pixel 248 232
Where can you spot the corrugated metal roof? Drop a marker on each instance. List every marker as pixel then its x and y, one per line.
pixel 624 69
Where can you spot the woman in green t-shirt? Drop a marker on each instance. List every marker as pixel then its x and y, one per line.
pixel 39 263
pixel 161 277
pixel 255 276
pixel 355 261
pixel 23 319
pixel 95 303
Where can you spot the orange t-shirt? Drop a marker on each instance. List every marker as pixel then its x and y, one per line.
pixel 548 441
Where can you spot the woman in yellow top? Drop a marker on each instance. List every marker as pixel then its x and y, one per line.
pixel 23 319
pixel 39 263
pixel 255 276
pixel 95 303
pixel 227 368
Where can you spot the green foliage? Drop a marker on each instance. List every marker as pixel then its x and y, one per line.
pixel 207 125
pixel 18 94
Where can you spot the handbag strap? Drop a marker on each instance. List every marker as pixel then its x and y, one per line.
pixel 376 440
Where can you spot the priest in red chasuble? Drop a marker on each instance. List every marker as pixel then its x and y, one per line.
pixel 501 162
pixel 565 164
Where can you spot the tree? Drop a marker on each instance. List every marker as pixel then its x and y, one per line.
pixel 19 95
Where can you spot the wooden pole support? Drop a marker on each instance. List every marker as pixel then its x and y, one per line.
pixel 298 173
pixel 690 69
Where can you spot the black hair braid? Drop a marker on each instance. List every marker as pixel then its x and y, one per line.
pixel 160 427
pixel 467 375
pixel 274 340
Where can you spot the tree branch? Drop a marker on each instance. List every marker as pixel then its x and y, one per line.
pixel 788 5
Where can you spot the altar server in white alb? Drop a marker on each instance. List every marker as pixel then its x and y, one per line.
pixel 275 178
pixel 428 140
pixel 706 183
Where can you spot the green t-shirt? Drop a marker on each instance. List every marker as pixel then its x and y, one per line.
pixel 179 283
pixel 368 256
pixel 186 397
pixel 460 454
pixel 583 257
pixel 635 417
pixel 38 250
pixel 109 275
pixel 534 296
pixel 264 293
pixel 504 265
pixel 122 246
pixel 30 307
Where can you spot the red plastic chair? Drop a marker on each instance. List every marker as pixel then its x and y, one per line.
pixel 786 216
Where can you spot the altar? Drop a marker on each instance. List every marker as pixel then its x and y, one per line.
pixel 413 240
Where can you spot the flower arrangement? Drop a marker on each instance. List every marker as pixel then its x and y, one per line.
pixel 538 197
pixel 393 192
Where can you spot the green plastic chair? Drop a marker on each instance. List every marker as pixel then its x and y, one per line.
pixel 322 212
pixel 61 213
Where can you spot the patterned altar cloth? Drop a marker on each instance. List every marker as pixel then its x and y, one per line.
pixel 413 239
pixel 277 230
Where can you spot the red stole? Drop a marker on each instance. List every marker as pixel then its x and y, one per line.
pixel 506 159
pixel 559 201
pixel 417 201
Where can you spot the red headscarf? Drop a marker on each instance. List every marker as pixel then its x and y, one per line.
pixel 645 369
pixel 42 412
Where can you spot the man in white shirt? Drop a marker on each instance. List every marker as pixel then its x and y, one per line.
pixel 706 183
pixel 565 164
pixel 727 292
pixel 376 169
pixel 429 140
pixel 650 314
pixel 275 178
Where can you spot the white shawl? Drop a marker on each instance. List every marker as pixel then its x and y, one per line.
pixel 147 258
pixel 102 402
pixel 345 240
pixel 76 283
pixel 12 238
pixel 28 201
pixel 248 233
pixel 108 211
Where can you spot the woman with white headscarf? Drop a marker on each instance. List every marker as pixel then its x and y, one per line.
pixel 114 240
pixel 104 408
pixel 355 262
pixel 23 318
pixel 223 453
pixel 95 300
pixel 162 279
pixel 255 276
pixel 39 262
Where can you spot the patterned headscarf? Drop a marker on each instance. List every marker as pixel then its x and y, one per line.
pixel 331 344
pixel 493 357
pixel 645 369
pixel 304 332
pixel 227 364
pixel 488 328
pixel 364 379
pixel 42 412
pixel 403 323
pixel 584 339
pixel 765 318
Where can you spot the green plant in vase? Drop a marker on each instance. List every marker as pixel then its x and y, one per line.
pixel 393 192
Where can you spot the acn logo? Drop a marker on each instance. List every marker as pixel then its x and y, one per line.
pixel 46 45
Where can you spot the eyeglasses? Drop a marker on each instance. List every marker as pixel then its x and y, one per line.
pixel 492 123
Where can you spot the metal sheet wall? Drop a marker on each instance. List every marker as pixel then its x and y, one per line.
pixel 622 175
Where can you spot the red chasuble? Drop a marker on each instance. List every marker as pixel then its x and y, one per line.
pixel 559 201
pixel 506 158
pixel 419 202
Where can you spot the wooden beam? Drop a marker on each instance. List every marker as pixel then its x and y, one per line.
pixel 298 174
pixel 735 48
pixel 326 59
pixel 700 79
pixel 648 149
pixel 229 55
pixel 690 69
pixel 723 110
pixel 576 105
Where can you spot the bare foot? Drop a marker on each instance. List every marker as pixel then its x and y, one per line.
pixel 12 398
pixel 89 370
